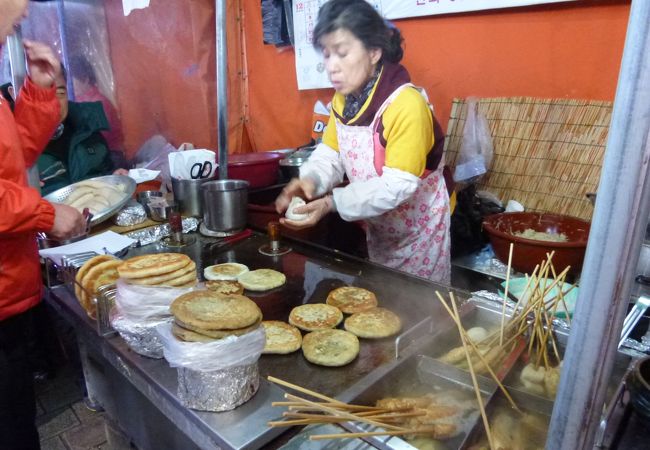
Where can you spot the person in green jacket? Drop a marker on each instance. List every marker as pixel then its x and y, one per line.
pixel 77 150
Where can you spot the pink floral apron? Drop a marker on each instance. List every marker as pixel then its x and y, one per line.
pixel 414 237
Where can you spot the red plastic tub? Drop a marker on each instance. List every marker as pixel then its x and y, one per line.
pixel 527 253
pixel 259 169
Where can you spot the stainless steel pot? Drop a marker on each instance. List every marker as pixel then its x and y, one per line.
pixel 44 241
pixel 187 193
pixel 225 204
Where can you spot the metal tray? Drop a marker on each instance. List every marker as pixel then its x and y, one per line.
pixel 129 183
pixel 417 376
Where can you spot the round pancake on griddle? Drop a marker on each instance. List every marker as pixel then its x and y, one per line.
pixel 315 316
pixel 281 338
pixel 161 279
pixel 207 310
pixel 225 286
pixel 350 299
pixel 225 271
pixel 373 324
pixel 152 265
pixel 262 279
pixel 330 347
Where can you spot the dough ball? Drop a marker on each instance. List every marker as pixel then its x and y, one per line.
pixel 296 202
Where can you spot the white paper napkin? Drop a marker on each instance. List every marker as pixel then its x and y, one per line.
pixel 107 241
pixel 142 175
pixel 180 163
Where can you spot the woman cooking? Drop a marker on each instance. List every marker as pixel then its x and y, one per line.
pixel 382 134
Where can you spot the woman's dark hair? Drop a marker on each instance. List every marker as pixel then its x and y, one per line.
pixel 361 19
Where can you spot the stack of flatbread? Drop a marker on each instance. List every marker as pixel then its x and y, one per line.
pixel 203 316
pixel 98 271
pixel 159 269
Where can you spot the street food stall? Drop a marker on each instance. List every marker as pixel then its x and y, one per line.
pixel 553 380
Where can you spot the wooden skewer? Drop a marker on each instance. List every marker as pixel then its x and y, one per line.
pixel 479 399
pixel 505 294
pixel 494 376
pixel 344 414
pixel 303 390
pixel 318 437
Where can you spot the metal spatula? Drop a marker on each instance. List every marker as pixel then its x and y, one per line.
pixel 633 317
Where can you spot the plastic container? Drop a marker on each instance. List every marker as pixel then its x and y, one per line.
pixel 259 169
pixel 527 253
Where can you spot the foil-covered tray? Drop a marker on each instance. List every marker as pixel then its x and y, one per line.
pixel 220 390
pixel 129 184
pixel 155 233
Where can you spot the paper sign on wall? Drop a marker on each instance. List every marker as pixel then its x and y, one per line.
pixel 310 69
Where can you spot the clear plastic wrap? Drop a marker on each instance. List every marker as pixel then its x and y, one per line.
pixel 142 303
pixel 220 354
pixel 140 336
pixel 218 375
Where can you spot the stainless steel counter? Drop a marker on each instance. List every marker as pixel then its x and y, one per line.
pixel 140 393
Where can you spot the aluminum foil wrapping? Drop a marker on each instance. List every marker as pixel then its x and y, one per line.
pixel 132 214
pixel 495 300
pixel 155 233
pixel 220 390
pixel 140 336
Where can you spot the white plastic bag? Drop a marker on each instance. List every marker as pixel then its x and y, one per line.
pixel 220 354
pixel 476 150
pixel 141 303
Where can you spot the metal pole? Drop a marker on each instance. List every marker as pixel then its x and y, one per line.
pixel 17 61
pixel 619 221
pixel 65 56
pixel 222 88
pixel 18 66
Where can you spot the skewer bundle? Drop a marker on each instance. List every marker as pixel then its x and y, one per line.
pixel 531 321
pixel 389 421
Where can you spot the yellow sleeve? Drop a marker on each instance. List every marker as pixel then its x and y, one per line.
pixel 408 131
pixel 329 135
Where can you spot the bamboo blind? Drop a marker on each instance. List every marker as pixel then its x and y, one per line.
pixel 547 153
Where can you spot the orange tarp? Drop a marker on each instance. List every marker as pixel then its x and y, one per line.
pixel 164 63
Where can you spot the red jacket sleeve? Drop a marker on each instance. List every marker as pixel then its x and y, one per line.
pixel 22 209
pixel 37 115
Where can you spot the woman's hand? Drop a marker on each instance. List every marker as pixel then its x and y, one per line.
pixel 296 188
pixel 43 66
pixel 121 172
pixel 315 210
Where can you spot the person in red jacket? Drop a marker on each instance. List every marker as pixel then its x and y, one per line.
pixel 23 213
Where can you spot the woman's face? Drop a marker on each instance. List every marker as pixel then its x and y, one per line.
pixel 11 13
pixel 62 95
pixel 348 62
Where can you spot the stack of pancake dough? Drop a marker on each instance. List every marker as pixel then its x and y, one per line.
pixel 98 271
pixel 159 269
pixel 205 316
